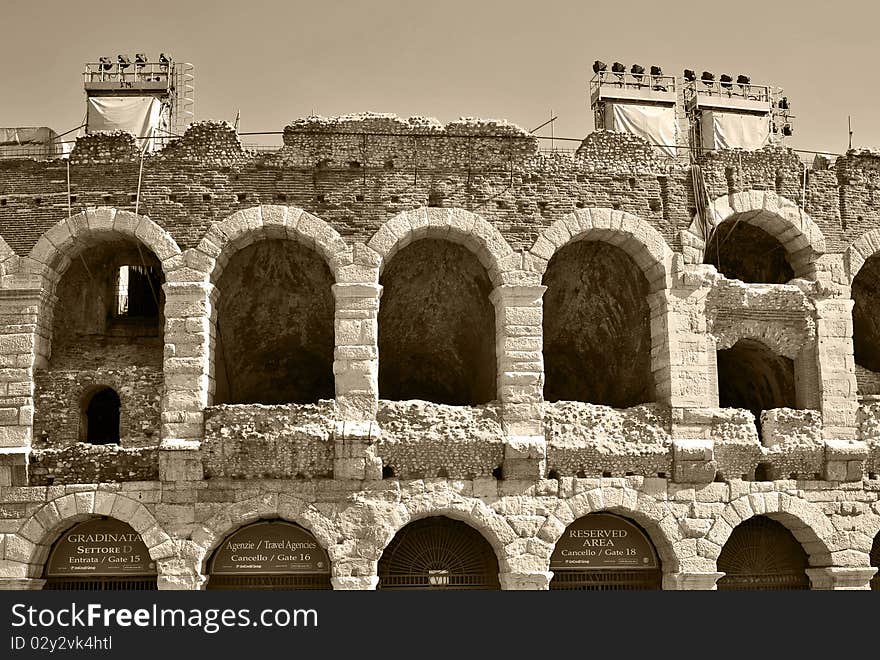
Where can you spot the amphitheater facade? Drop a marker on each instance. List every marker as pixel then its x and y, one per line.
pixel 399 354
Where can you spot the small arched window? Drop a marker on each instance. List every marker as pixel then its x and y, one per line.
pixel 101 417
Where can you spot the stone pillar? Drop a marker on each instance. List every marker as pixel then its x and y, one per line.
pixel 691 581
pixel 356 356
pixel 355 583
pixel 520 382
pixel 21 584
pixel 841 578
pixel 836 366
pixel 178 574
pixel 532 581
pixel 354 451
pixel 187 365
pixel 22 348
pixel 683 355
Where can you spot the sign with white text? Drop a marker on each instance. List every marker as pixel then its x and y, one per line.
pixel 103 546
pixel 603 541
pixel 270 548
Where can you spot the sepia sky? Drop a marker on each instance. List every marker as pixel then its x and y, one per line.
pixel 518 60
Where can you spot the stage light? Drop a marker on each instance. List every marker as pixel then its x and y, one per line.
pixel 726 81
pixel 123 61
pixel 689 75
pixel 783 103
pixel 164 59
pixel 656 70
pixel 106 63
pixel 743 80
pixel 617 67
pixel 140 58
pixel 599 66
pixel 787 130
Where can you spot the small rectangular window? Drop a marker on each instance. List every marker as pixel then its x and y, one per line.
pixel 137 291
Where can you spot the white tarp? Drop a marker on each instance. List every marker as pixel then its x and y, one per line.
pixel 139 115
pixel 30 142
pixel 734 130
pixel 655 123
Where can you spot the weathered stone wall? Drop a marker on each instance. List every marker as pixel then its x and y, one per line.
pixel 360 192
pixel 278 442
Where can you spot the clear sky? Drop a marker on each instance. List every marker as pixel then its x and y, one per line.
pixel 512 59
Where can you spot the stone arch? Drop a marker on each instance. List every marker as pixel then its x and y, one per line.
pixel 223 239
pixel 503 265
pixel 656 518
pixel 52 252
pixel 778 216
pixel 57 246
pixel 637 238
pixel 8 258
pixel 802 518
pixel 781 340
pixel 493 527
pixel 211 533
pixel 859 251
pixel 41 530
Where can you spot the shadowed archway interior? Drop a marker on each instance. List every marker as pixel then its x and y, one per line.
pixel 762 555
pixel 274 331
pixel 597 332
pixel 866 326
pixel 436 326
pixel 742 251
pixel 751 376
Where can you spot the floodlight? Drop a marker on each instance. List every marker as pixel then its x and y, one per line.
pixel 689 75
pixel 743 80
pixel 140 58
pixel 599 66
pixel 783 103
pixel 617 67
pixel 656 70
pixel 123 61
pixel 164 59
pixel 787 130
pixel 106 63
pixel 726 81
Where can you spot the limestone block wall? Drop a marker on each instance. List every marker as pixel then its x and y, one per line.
pixel 358 190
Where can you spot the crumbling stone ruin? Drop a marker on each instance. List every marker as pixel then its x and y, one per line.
pixel 392 332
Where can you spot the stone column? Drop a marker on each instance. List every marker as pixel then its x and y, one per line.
pixel 22 348
pixel 836 365
pixel 356 355
pixel 691 581
pixel 188 378
pixel 355 583
pixel 520 382
pixel 840 578
pixel 179 574
pixel 532 581
pixel 21 584
pixel 187 364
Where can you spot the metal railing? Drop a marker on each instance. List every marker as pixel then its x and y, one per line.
pixel 146 72
pixel 745 91
pixel 624 80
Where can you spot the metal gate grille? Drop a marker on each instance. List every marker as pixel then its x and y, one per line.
pixel 598 580
pixel 762 555
pixel 106 583
pixel 270 582
pixel 438 554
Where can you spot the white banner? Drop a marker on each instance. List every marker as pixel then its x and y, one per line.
pixel 654 123
pixel 139 115
pixel 729 130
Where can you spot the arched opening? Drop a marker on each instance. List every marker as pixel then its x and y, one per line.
pixel 107 327
pixel 875 561
pixel 270 555
pixel 605 552
pixel 751 376
pixel 743 251
pixel 436 326
pixel 866 326
pixel 438 553
pixel 597 327
pixel 274 327
pixel 101 554
pixel 762 555
pixel 101 417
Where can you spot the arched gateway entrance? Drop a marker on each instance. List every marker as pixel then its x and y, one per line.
pixel 271 555
pixel 762 555
pixel 102 554
pixel 438 554
pixel 605 552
